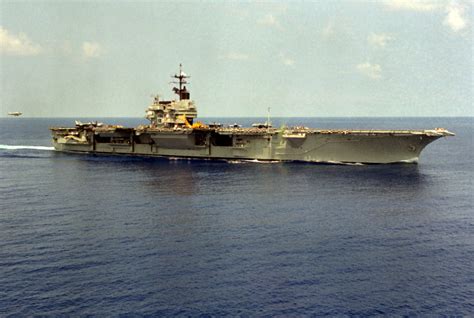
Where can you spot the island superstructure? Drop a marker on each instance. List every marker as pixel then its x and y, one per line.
pixel 174 132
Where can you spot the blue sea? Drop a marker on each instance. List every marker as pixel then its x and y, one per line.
pixel 88 235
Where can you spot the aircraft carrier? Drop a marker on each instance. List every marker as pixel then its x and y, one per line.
pixel 174 132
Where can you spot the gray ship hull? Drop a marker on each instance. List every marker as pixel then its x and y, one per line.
pixel 307 145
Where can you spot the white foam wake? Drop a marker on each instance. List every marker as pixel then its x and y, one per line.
pixel 18 147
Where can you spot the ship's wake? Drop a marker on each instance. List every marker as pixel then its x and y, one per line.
pixel 21 147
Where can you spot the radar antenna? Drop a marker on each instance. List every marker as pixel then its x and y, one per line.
pixel 181 91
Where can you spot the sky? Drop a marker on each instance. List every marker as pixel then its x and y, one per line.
pixel 300 58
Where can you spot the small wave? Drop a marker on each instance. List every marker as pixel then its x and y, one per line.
pixel 412 160
pixel 18 147
pixel 343 163
pixel 240 161
pixel 261 161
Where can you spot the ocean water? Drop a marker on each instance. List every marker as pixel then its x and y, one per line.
pixel 110 235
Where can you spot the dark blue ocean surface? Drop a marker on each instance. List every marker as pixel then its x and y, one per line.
pixel 111 235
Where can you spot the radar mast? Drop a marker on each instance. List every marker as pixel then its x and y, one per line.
pixel 181 91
